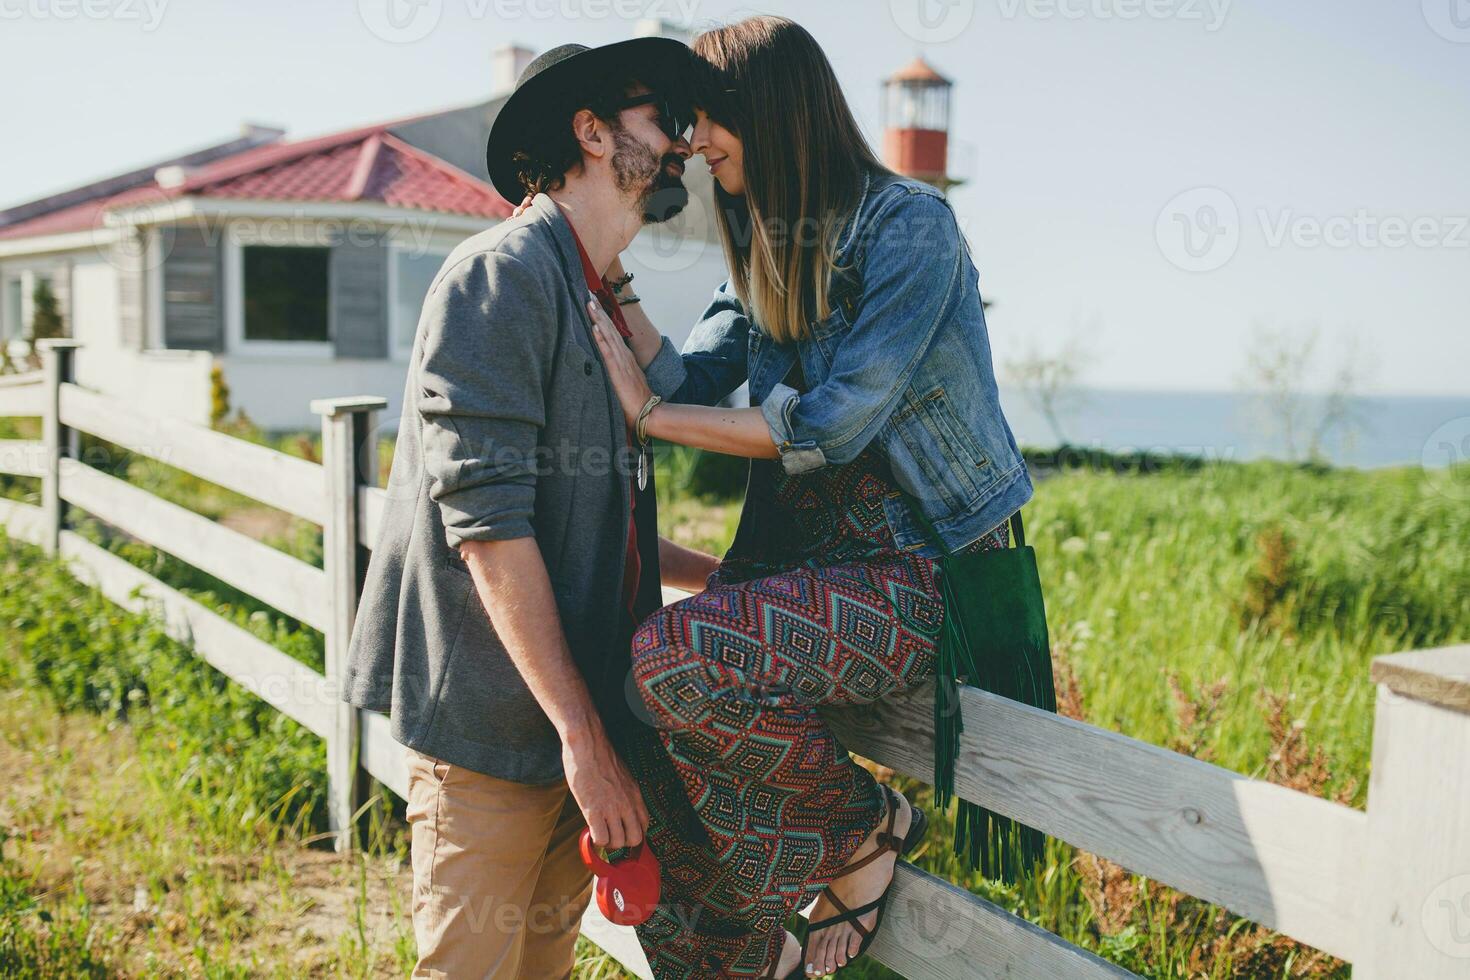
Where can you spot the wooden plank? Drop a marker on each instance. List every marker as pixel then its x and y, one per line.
pixel 23 522
pixel 285 583
pixel 286 684
pixel 371 503
pixel 23 457
pixel 1439 677
pixel 381 754
pixel 23 380
pixel 282 481
pixel 1417 886
pixel 25 402
pixel 1289 861
pixel 937 930
pixel 57 364
pixel 339 557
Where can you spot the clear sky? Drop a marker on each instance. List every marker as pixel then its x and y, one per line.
pixel 1153 176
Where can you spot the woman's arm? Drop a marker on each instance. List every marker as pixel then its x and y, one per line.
pixel 736 431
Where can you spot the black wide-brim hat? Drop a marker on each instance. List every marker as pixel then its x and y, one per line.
pixel 547 80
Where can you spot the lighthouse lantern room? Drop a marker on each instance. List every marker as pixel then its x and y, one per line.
pixel 916 106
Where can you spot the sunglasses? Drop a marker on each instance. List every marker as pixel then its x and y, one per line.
pixel 674 119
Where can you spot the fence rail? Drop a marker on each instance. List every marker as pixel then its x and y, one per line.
pixel 1388 890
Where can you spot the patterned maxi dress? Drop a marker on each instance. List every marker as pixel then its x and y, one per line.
pixel 814 604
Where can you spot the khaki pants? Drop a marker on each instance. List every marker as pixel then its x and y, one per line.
pixel 498 884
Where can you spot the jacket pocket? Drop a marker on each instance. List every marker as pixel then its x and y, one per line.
pixel 958 436
pixel 935 446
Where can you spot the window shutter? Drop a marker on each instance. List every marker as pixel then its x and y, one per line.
pixel 359 296
pixel 192 318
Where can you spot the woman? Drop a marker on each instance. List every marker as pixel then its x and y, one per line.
pixel 854 314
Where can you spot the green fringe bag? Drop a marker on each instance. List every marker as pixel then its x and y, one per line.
pixel 994 638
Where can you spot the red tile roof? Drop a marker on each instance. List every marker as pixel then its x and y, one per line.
pixel 368 164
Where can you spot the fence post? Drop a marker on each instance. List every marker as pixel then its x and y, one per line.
pixel 1416 894
pixel 59 367
pixel 349 461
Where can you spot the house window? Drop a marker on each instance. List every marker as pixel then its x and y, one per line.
pixel 286 291
pixel 413 273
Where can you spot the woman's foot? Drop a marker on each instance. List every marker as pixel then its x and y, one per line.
pixel 833 946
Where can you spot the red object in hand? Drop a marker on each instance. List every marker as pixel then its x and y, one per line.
pixel 627 892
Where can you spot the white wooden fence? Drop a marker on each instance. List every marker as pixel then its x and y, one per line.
pixel 1387 890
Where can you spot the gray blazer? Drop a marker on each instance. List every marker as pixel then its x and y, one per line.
pixel 510 429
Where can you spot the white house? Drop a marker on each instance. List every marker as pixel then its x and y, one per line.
pixel 298 267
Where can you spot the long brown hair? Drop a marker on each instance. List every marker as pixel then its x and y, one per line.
pixel 771 84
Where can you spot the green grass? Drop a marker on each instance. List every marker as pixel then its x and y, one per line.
pixel 1229 611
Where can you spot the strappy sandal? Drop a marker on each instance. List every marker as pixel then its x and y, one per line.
pixel 887 841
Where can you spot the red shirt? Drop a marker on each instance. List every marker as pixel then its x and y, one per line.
pixel 632 566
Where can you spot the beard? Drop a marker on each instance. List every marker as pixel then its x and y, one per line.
pixel 656 181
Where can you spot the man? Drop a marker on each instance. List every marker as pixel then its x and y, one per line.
pixel 518 549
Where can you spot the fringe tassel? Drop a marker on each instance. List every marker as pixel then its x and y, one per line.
pixel 997 845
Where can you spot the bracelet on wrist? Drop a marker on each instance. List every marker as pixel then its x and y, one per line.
pixel 640 428
pixel 620 283
pixel 629 300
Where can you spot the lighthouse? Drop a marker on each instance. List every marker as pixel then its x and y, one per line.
pixel 915 122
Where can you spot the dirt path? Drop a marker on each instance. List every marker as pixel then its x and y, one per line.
pixel 81 827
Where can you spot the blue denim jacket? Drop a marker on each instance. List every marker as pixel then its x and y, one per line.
pixel 903 359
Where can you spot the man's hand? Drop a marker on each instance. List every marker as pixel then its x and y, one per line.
pixel 609 797
pixel 513 586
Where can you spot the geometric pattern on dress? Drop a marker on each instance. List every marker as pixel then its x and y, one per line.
pixel 815 604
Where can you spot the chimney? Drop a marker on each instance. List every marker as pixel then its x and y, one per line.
pixel 506 65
